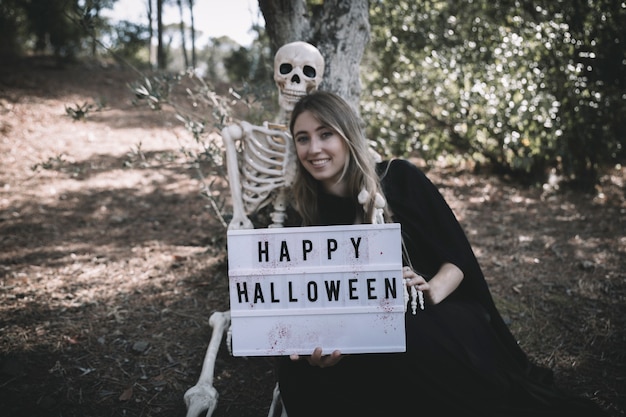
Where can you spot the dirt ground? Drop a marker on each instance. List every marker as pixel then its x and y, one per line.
pixel 111 262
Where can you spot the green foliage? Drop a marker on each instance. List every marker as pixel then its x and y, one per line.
pixel 129 42
pixel 79 112
pixel 250 65
pixel 64 28
pixel 154 90
pixel 51 23
pixel 52 163
pixel 524 87
pixel 503 83
pixel 12 23
pixel 251 69
pixel 588 75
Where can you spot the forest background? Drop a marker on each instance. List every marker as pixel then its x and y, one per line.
pixel 516 108
pixel 531 89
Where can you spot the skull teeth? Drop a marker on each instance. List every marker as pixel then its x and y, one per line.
pixel 294 93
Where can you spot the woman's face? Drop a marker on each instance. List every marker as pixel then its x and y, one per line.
pixel 321 151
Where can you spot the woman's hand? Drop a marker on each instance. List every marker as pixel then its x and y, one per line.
pixel 446 280
pixel 413 279
pixel 317 359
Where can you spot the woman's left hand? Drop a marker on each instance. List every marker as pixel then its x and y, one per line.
pixel 413 279
pixel 445 281
pixel 317 359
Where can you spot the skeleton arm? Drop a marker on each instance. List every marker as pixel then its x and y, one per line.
pixel 231 134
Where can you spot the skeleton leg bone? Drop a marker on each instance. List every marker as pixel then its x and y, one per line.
pixel 276 403
pixel 203 396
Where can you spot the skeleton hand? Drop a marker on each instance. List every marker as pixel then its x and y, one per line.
pixel 417 285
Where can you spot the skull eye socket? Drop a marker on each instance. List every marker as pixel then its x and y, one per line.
pixel 285 68
pixel 309 71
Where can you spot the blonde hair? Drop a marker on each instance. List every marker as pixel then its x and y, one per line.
pixel 359 172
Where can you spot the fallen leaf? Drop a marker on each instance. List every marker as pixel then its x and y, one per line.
pixel 127 394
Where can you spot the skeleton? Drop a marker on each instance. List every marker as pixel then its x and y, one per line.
pixel 261 165
pixel 268 160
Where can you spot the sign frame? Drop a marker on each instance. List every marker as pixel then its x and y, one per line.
pixel 297 288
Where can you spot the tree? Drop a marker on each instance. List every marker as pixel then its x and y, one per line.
pixel 586 72
pixel 150 14
pixel 161 57
pixel 91 19
pixel 183 35
pixel 50 21
pixel 338 28
pixel 12 29
pixel 194 60
pixel 128 41
pixel 66 28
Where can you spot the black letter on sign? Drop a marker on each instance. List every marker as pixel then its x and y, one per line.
pixel 258 293
pixel 274 299
pixel 331 246
pixel 332 289
pixel 352 285
pixel 263 251
pixel 311 289
pixel 292 299
pixel 307 246
pixel 371 289
pixel 390 288
pixel 284 251
pixel 242 292
pixel 356 246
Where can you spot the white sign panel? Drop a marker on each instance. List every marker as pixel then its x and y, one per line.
pixel 337 287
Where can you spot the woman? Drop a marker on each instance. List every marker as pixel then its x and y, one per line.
pixel 461 358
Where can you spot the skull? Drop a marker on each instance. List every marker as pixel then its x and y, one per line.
pixel 298 70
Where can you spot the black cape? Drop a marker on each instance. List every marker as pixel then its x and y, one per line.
pixel 461 358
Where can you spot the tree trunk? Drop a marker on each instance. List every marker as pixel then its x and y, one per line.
pixel 161 64
pixel 286 21
pixel 150 32
pixel 338 28
pixel 343 32
pixel 183 44
pixel 194 61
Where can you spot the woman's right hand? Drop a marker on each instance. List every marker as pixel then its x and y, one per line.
pixel 317 359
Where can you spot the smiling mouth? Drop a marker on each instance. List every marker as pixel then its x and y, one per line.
pixel 319 162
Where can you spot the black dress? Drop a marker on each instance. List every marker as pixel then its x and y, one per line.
pixel 461 358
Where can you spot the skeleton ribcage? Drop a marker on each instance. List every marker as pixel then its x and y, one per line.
pixel 267 163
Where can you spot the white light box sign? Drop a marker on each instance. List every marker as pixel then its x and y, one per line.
pixel 296 288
